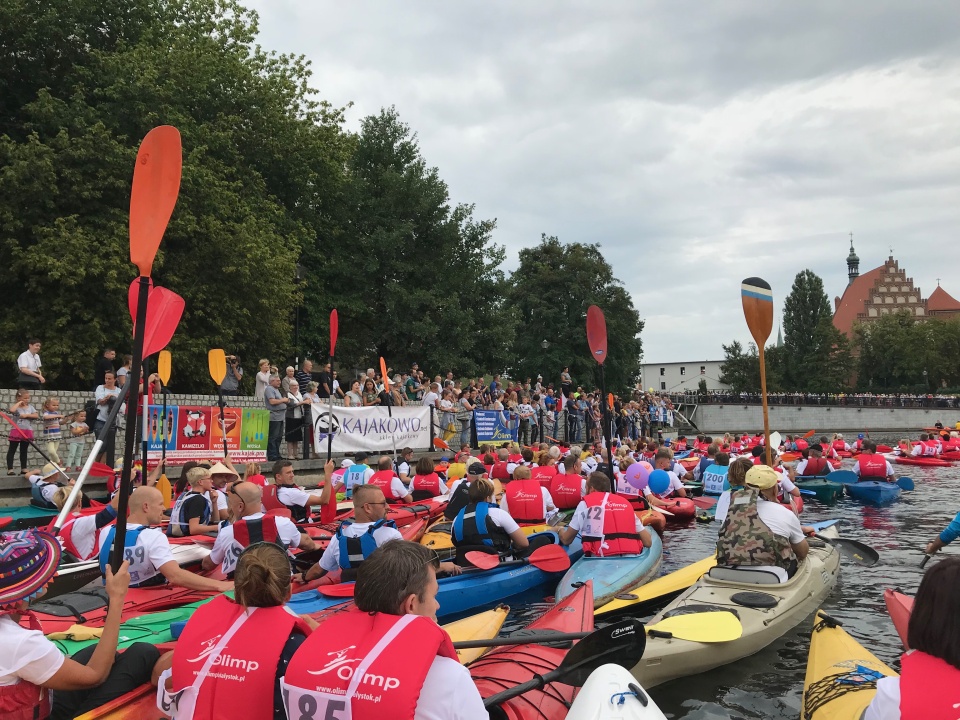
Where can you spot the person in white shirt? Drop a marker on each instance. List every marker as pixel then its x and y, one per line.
pixel 523 473
pixel 290 494
pixel 29 365
pixel 432 398
pixel 403 467
pixel 244 499
pixel 736 476
pixel 79 533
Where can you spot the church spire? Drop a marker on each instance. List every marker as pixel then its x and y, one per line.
pixel 853 263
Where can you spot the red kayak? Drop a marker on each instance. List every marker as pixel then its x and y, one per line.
pixel 4 521
pixel 683 509
pixel 321 534
pixel 798 503
pixel 507 667
pixel 922 461
pixel 952 455
pixel 899 606
pixel 845 453
pixel 834 463
pixel 884 448
pixel 403 514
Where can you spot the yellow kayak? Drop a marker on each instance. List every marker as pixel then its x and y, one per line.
pixel 663 587
pixel 841 674
pixel 141 704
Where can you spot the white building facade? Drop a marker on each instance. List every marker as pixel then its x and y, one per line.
pixel 678 377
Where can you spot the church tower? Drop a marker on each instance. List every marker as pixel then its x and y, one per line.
pixel 853 264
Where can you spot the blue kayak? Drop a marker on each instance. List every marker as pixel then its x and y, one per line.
pixel 613 575
pixel 461 593
pixel 874 491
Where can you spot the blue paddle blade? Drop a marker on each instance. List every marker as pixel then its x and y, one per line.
pixel 843 476
pixel 905 483
pixel 807 492
pixel 823 524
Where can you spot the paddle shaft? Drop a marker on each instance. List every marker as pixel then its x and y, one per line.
pixel 606 428
pixel 861 552
pixel 521 640
pixel 763 398
pixel 537 682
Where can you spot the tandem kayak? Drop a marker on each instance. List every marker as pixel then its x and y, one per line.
pixel 899 606
pixel 613 575
pixel 877 492
pixel 767 609
pixel 921 461
pixel 841 674
pixel 826 491
pixel 612 693
pixel 507 667
pixel 437 537
pixel 657 591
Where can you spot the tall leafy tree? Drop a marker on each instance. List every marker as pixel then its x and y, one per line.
pixel 741 367
pixel 815 351
pixel 894 351
pixel 550 292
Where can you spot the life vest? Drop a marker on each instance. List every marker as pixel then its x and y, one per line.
pixel 745 540
pixel 839 445
pixel 610 527
pixel 37 496
pixel 68 543
pixel 141 569
pixel 354 476
pixel 801 444
pixel 24 701
pixel 543 474
pixel 352 551
pixel 872 466
pixel 714 479
pixel 815 467
pixel 376 662
pixel 241 680
pixel 705 462
pixel 246 533
pixel 515 458
pixel 930 447
pixel 566 490
pixel 383 479
pixel 473 528
pixel 736 447
pixel 929 687
pixel 178 526
pixel 425 486
pixel 499 471
pixel 299 513
pixel 459 499
pixel 525 500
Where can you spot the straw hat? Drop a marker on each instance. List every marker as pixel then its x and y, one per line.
pixel 220 469
pixel 28 561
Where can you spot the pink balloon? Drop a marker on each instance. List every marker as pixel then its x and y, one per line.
pixel 638 474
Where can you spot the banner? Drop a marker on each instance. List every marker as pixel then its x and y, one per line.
pixel 196 433
pixel 495 426
pixel 371 428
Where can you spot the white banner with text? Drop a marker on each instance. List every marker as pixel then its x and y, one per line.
pixel 370 428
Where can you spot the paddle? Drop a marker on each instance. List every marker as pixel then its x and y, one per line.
pixel 163 484
pixel 217 363
pixel 843 476
pixel 905 483
pixel 164 310
pixel 334 331
pixel 809 434
pixel 386 390
pixel 705 627
pixel 622 643
pixel 340 590
pixel 757 299
pixel 597 340
pixel 440 444
pixel 156 184
pixel 857 551
pixel 549 558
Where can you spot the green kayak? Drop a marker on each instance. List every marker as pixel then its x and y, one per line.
pixel 827 491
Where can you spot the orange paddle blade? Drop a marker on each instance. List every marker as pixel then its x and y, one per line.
pixel 550 558
pixel 597 333
pixel 440 444
pixel 340 590
pixel 757 299
pixel 383 374
pixel 156 184
pixel 610 400
pixel 482 560
pixel 809 434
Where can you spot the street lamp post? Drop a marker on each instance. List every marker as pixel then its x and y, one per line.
pixel 297 279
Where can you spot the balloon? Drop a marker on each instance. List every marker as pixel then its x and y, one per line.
pixel 638 474
pixel 659 482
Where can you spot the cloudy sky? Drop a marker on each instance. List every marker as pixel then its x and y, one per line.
pixel 698 142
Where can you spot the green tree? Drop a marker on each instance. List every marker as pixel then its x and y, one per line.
pixel 741 367
pixel 550 292
pixel 894 351
pixel 816 353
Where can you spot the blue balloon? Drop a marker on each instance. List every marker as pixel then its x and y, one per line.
pixel 659 482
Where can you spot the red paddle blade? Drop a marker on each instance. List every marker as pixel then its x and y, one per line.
pixel 597 333
pixel 164 310
pixel 610 400
pixel 156 184
pixel 100 470
pixel 133 293
pixel 440 444
pixel 337 591
pixel 334 330
pixel 550 558
pixel 482 560
pixel 383 374
pixel 809 434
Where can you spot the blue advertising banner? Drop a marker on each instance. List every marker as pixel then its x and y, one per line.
pixel 495 426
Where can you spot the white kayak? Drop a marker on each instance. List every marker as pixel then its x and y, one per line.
pixel 612 693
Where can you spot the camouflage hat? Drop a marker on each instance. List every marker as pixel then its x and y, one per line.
pixel 761 477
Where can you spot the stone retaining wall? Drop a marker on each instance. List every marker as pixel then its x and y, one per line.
pixel 789 418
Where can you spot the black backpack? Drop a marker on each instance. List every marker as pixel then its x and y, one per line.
pixel 458 501
pixel 90 411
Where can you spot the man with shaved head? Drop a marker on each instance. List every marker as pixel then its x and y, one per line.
pixel 249 527
pixel 148 550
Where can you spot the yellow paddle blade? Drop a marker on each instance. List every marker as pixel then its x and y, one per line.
pixel 76 633
pixel 163 366
pixel 664 586
pixel 163 485
pixel 217 361
pixel 705 627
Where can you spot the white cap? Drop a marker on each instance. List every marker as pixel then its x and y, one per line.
pixel 346 462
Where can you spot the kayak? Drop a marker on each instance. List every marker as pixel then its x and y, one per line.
pixel 841 674
pixel 899 606
pixel 652 519
pixel 22 517
pixel 437 537
pixel 767 611
pixel 877 492
pixel 657 591
pixel 683 509
pixel 402 514
pixel 689 463
pixel 884 449
pixel 613 575
pixel 507 667
pixel 796 507
pixel 607 687
pixel 827 492
pixel 951 455
pixel 141 703
pixel 461 593
pixel 835 463
pixel 922 461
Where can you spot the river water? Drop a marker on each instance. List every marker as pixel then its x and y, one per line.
pixel 770 683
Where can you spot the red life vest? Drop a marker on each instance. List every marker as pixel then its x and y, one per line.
pixel 24 701
pixel 543 474
pixel 499 471
pixel 251 656
pixel 611 527
pixel 383 479
pixel 736 447
pixel 323 671
pixel 872 465
pixel 815 466
pixel 839 445
pixel 930 447
pixel 426 483
pixel 929 687
pixel 525 500
pixel 66 539
pixel 566 490
pixel 259 530
pixel 515 458
pixel 802 444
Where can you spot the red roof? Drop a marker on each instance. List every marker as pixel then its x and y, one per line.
pixel 854 299
pixel 941 301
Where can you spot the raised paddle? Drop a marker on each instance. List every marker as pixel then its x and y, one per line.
pixel 809 434
pixel 440 444
pixel 164 310
pixel 622 643
pixel 334 332
pixel 163 484
pixel 757 299
pixel 597 340
pixel 859 552
pixel 386 390
pixel 156 184
pixel 549 558
pixel 340 590
pixel 905 483
pixel 217 364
